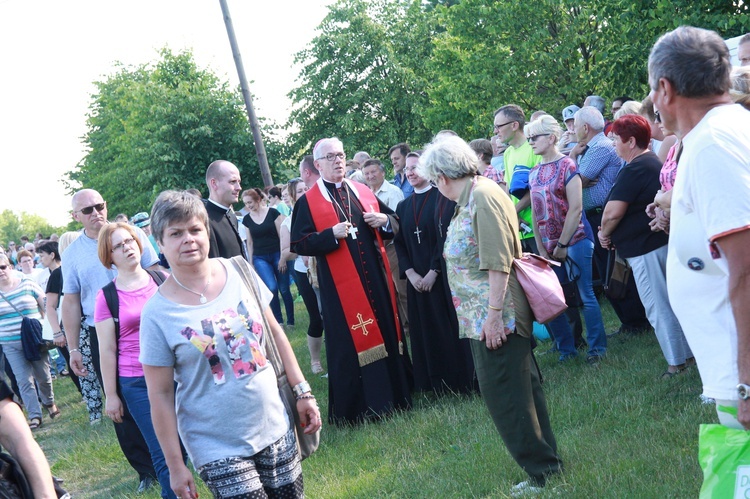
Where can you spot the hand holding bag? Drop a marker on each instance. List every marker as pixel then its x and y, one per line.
pixel 306 443
pixel 541 285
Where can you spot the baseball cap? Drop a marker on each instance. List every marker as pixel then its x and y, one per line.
pixel 141 220
pixel 569 112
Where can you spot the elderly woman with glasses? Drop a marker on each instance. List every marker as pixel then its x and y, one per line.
pixel 493 312
pixel 561 232
pixel 206 330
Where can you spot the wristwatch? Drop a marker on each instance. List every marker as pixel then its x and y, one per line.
pixel 743 391
pixel 301 388
pixel 561 245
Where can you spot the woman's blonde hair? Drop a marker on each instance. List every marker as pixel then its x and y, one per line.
pixel 543 124
pixel 740 89
pixel 66 239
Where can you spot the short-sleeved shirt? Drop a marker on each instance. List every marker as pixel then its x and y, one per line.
pixel 390 194
pixel 24 298
pixel 265 236
pixel 131 305
pixel 549 200
pixel 84 273
pixel 482 236
pixel 403 184
pixel 282 208
pixel 636 185
pixel 598 162
pixel 512 157
pixel 227 399
pixel 669 169
pixel 299 264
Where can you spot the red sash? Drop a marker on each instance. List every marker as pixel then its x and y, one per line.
pixel 363 325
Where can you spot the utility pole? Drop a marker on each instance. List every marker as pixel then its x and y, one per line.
pixel 260 149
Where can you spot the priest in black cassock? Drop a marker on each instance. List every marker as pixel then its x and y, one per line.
pixel 442 361
pixel 344 224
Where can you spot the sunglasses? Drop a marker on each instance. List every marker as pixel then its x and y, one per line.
pixel 3 267
pixel 90 209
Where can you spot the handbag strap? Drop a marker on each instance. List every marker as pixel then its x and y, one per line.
pixel 11 304
pixel 570 268
pixel 269 343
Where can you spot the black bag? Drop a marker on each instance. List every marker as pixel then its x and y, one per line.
pixel 34 345
pixel 13 482
pixel 618 276
pixel 570 286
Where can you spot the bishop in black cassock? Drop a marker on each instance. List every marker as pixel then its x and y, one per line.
pixel 367 378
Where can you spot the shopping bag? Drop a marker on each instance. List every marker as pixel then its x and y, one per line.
pixel 724 456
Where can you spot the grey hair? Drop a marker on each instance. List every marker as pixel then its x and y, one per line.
pixel 329 141
pixel 449 156
pixel 590 116
pixel 740 90
pixel 694 60
pixel 175 206
pixel 597 102
pixel 544 124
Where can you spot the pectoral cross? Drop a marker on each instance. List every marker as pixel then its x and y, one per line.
pixel 362 325
pixel 418 232
pixel 353 231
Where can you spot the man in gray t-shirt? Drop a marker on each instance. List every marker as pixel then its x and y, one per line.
pixel 83 276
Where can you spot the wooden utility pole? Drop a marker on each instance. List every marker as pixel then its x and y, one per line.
pixel 260 149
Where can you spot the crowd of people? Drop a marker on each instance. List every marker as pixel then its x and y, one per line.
pixel 410 283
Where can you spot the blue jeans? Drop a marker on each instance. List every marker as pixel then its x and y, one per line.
pixel 267 267
pixel 135 395
pixel 581 253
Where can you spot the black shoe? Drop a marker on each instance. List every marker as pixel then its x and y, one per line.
pixel 593 360
pixel 146 484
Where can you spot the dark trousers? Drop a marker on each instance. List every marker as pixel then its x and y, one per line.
pixel 315 329
pixel 629 309
pixel 129 436
pixel 510 387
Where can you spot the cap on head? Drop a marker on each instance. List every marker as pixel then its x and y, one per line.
pixel 141 220
pixel 569 112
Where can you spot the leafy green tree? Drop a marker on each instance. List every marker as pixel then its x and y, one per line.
pixel 361 77
pixel 158 126
pixel 13 226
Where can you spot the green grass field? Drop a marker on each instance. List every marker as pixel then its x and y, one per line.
pixel 621 431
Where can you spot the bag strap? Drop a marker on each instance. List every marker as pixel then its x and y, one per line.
pixel 11 304
pixel 571 267
pixel 113 299
pixel 268 341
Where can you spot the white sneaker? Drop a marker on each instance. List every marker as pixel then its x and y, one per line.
pixel 706 400
pixel 525 489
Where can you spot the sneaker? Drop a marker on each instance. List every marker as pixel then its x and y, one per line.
pixel 525 489
pixel 706 400
pixel 593 360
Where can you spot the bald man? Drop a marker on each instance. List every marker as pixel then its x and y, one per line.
pixel 223 181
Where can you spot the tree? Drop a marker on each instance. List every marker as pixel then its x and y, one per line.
pixel 361 80
pixel 13 226
pixel 157 127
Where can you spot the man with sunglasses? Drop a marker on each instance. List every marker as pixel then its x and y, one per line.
pixel 509 123
pixel 83 276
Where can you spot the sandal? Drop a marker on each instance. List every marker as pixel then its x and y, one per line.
pixel 35 423
pixel 53 410
pixel 316 368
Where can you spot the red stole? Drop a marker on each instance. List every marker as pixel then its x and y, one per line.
pixel 363 325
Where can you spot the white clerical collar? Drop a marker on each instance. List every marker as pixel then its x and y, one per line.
pixel 420 191
pixel 225 208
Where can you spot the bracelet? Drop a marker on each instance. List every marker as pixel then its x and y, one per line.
pixel 561 245
pixel 71 350
pixel 301 388
pixel 494 308
pixel 58 334
pixel 306 396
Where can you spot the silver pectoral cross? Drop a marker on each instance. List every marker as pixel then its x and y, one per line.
pixel 418 232
pixel 353 232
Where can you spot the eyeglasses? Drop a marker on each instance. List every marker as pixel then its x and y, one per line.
pixel 90 209
pixel 657 117
pixel 534 138
pixel 3 267
pixel 498 127
pixel 121 246
pixel 331 156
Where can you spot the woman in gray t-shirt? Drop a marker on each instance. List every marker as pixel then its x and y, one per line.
pixel 204 330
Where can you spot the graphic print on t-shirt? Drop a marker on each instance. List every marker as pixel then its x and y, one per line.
pixel 241 339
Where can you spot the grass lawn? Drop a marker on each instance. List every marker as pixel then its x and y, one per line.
pixel 621 431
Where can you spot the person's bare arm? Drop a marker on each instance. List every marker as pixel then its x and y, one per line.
pixel 105 332
pixel 734 246
pixel 16 437
pixel 613 213
pixel 71 316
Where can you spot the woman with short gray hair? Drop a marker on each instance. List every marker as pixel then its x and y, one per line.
pixel 492 308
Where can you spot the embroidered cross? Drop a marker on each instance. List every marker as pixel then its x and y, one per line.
pixel 362 325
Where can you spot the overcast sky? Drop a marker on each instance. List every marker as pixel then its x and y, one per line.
pixel 52 51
